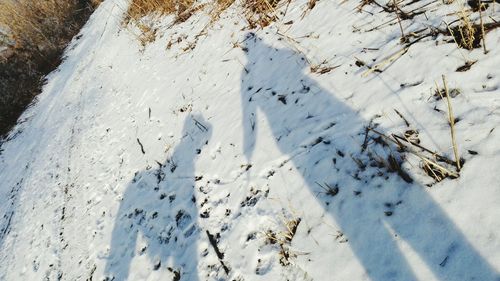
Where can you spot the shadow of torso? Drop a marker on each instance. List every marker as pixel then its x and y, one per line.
pixel 320 134
pixel 158 215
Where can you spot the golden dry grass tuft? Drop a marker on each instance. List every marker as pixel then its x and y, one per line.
pixel 141 8
pixel 260 12
pixel 143 14
pixel 257 12
pixel 148 33
pixel 466 29
pixel 283 240
pixel 219 6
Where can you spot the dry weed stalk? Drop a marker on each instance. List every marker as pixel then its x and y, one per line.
pixel 466 29
pixel 284 238
pixel 456 42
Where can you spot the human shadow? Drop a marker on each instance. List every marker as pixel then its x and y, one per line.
pixel 158 215
pixel 320 133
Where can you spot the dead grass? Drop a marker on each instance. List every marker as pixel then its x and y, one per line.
pixel 219 7
pixel 148 33
pixel 466 29
pixel 35 34
pixel 257 12
pixel 260 12
pixel 37 25
pixel 283 239
pixel 143 13
pixel 141 8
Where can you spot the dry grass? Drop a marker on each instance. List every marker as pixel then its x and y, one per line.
pixel 35 34
pixel 148 34
pixel 283 239
pixel 257 12
pixel 143 13
pixel 36 25
pixel 141 8
pixel 466 29
pixel 219 7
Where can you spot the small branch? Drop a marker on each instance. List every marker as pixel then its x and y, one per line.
pixel 142 147
pixel 200 126
pixel 219 254
pixel 402 117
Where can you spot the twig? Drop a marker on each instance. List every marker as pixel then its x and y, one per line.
pixel 200 126
pixel 220 255
pixel 142 147
pixel 452 124
pixel 402 117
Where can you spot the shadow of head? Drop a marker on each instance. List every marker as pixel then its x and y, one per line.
pixel 196 132
pixel 258 52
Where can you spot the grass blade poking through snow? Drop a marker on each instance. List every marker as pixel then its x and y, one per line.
pixel 452 125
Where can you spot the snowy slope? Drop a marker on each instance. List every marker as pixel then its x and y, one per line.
pixel 224 157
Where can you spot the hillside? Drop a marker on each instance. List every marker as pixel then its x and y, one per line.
pixel 310 142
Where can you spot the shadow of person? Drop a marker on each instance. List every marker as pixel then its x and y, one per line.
pixel 158 215
pixel 311 126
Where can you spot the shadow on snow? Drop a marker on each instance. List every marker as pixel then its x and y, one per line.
pixel 319 133
pixel 158 216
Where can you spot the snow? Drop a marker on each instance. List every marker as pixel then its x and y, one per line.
pixel 156 162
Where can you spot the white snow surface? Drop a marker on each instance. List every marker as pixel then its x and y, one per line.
pixel 134 158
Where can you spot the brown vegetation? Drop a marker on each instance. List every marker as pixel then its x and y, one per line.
pixel 35 33
pixel 37 25
pixel 141 8
pixel 257 12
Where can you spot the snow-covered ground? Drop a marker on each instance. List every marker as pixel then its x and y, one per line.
pixel 218 154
